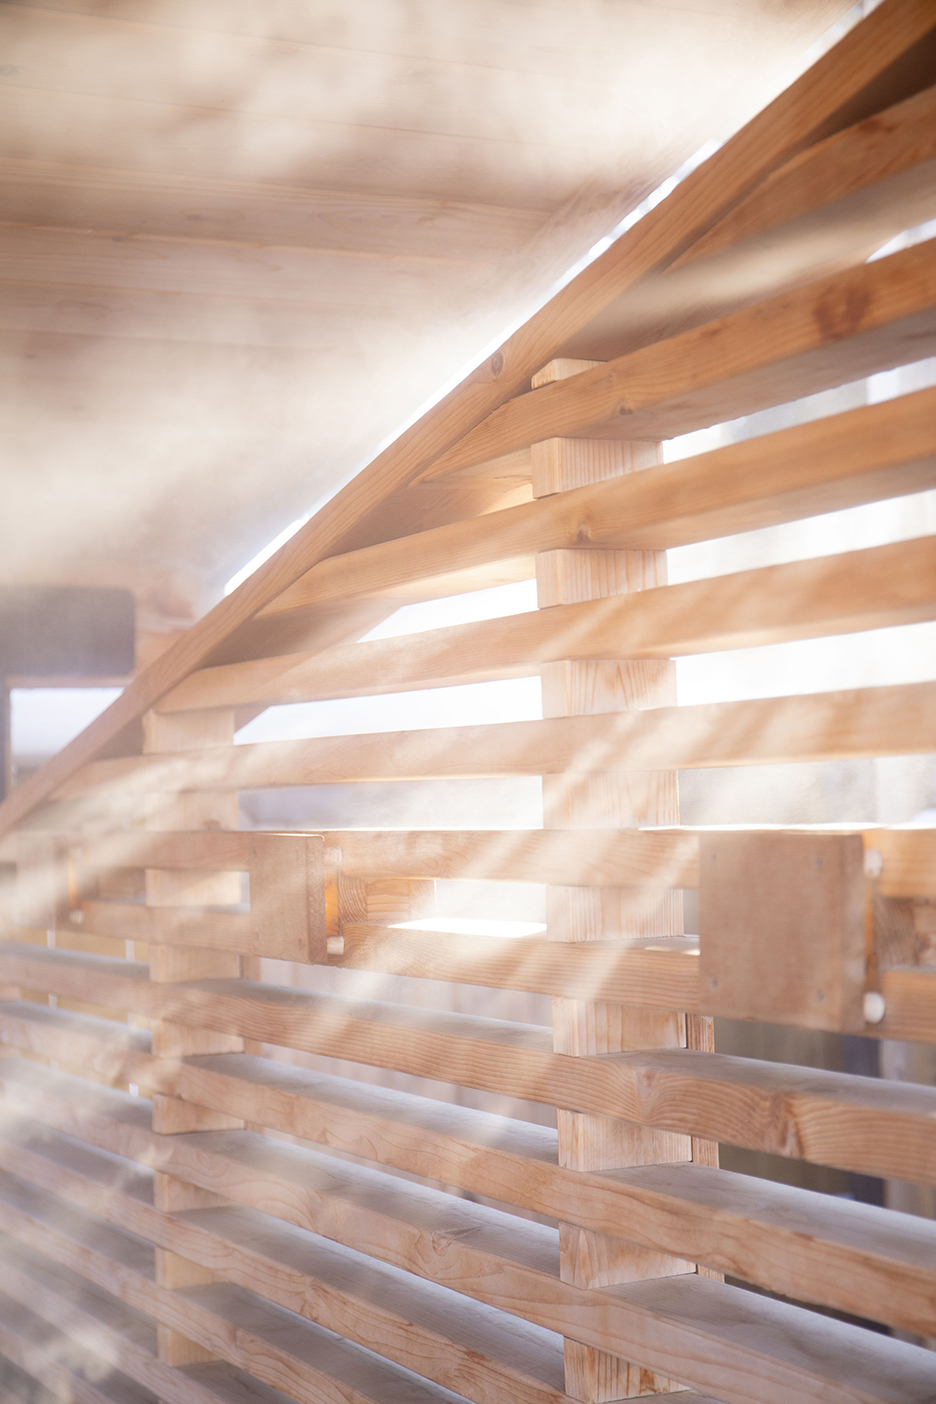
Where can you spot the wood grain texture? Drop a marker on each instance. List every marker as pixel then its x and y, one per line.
pixel 908 855
pixel 829 464
pixel 661 974
pixel 273 1345
pixel 293 1265
pixel 229 1239
pixel 207 809
pixel 813 1115
pixel 838 90
pixel 172 889
pixel 660 858
pixel 167 926
pixel 827 209
pixel 586 801
pixel 208 1261
pixel 837 329
pixel 874 588
pixel 782 928
pixel 287 896
pixel 740 1226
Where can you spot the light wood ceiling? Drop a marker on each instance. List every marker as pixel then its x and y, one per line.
pixel 240 242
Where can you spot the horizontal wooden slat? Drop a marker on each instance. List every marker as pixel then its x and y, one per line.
pixel 221 850
pixel 772 1373
pixel 171 926
pixel 71 1373
pixel 603 856
pixel 614 857
pixel 863 455
pixel 522 1280
pixel 462 1340
pixel 120 1335
pixel 596 970
pixel 837 329
pixel 269 1343
pixel 654 857
pixel 881 721
pixel 667 978
pixel 827 208
pixel 894 140
pixel 269 1256
pixel 654 977
pixel 866 1261
pixel 631 973
pixel 764 1106
pixel 857 590
pixel 31 1272
pixel 515 1162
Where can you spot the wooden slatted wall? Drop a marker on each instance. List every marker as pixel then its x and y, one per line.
pixel 191 1209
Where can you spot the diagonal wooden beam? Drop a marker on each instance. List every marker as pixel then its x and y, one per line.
pixel 884 59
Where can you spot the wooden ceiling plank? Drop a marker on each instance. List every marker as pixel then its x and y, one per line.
pixel 126 315
pixel 122 202
pixel 232 146
pixel 830 92
pixel 327 277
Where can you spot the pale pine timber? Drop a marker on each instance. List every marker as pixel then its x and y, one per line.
pixel 875 588
pixel 763 1106
pixel 656 857
pixel 839 89
pixel 896 720
pixel 849 1259
pixel 172 889
pixel 675 1092
pixel 254 1335
pixel 675 1309
pixel 23 1209
pixel 587 801
pixel 841 328
pixel 763 955
pixel 861 455
pixel 122 1336
pixel 826 209
pixel 317 1278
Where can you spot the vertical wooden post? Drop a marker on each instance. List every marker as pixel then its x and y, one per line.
pixel 581 914
pixel 168 734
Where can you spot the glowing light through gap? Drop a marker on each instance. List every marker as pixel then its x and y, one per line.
pixel 257 561
pixel 474 926
pixel 423 709
pixel 44 719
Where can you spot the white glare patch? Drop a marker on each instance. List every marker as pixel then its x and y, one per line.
pixel 257 561
pixel 44 719
pixel 473 926
pixel 494 603
pixel 903 654
pixel 469 704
